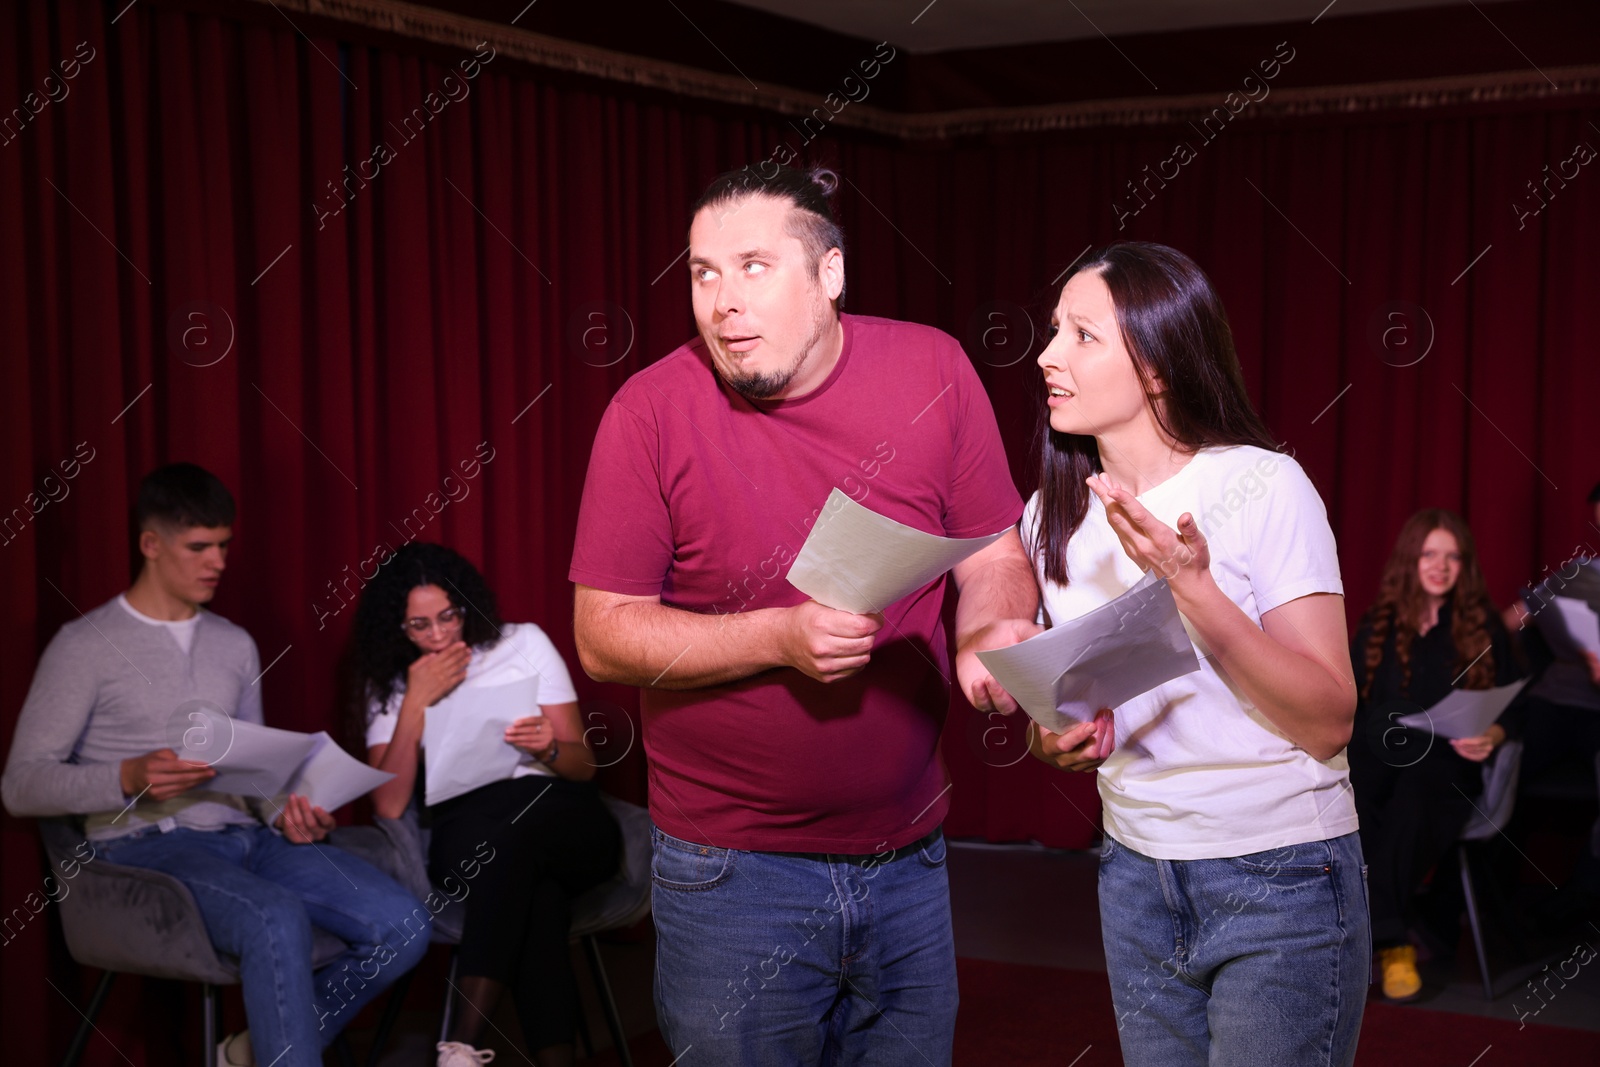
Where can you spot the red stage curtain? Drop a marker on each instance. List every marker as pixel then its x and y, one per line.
pixel 519 247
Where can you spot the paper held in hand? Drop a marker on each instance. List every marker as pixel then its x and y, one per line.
pixel 1580 622
pixel 1112 654
pixel 463 736
pixel 1465 712
pixel 250 760
pixel 331 778
pixel 260 761
pixel 857 560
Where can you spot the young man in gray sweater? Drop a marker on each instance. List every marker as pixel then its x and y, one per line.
pixel 97 737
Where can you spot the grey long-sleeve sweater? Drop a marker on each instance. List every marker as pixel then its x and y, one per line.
pixel 110 687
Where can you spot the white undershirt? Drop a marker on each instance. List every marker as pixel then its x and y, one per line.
pixel 182 630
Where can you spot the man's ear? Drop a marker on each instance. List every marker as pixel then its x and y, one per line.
pixel 830 272
pixel 149 544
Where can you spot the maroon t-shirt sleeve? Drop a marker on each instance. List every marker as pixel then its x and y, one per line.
pixel 624 539
pixel 983 498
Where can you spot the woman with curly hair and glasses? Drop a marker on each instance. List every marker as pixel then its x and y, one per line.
pixel 1432 629
pixel 426 625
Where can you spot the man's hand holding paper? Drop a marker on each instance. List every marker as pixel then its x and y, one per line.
pixel 303 822
pixel 982 689
pixel 330 777
pixel 853 565
pixel 859 561
pixel 828 643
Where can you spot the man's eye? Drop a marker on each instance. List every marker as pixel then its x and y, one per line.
pixel 754 268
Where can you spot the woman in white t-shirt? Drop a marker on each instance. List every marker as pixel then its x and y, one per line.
pixel 515 851
pixel 1232 899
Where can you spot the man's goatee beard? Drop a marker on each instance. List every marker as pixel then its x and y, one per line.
pixel 766 386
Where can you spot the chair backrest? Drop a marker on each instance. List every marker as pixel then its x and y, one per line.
pixel 138 920
pixel 1492 810
pixel 625 898
pixel 399 848
pixel 129 919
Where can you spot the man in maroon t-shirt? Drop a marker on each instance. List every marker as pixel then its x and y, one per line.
pixel 801 903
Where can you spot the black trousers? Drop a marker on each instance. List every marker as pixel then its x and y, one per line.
pixel 521 850
pixel 1412 809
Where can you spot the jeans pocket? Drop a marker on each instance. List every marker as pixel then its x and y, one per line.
pixel 686 866
pixel 932 852
pixel 1108 847
pixel 1291 861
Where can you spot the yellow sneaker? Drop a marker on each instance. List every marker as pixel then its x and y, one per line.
pixel 1398 966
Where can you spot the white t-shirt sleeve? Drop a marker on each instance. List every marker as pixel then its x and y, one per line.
pixel 380 726
pixel 1292 552
pixel 555 684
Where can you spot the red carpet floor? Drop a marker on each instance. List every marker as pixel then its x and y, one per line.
pixel 1018 1014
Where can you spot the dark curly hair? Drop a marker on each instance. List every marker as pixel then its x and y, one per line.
pixel 380 652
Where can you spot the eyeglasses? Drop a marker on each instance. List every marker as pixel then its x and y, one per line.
pixel 448 619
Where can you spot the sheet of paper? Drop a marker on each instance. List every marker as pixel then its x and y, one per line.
pixel 1465 712
pixel 463 736
pixel 1101 659
pixel 857 560
pixel 250 760
pixel 1580 621
pixel 331 778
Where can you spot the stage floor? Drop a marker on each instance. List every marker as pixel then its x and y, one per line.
pixel 1036 907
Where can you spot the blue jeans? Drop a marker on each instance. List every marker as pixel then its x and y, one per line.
pixel 260 896
pixel 802 958
pixel 1255 959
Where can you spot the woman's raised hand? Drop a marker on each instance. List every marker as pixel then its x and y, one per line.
pixel 1176 555
pixel 433 675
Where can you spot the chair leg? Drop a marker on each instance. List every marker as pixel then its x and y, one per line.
pixel 1474 921
pixel 391 1015
pixel 585 1038
pixel 80 1040
pixel 208 1022
pixel 449 997
pixel 608 1002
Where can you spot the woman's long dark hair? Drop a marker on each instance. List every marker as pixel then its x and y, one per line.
pixel 380 652
pixel 1402 602
pixel 1173 325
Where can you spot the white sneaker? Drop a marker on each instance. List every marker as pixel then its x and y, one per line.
pixel 457 1054
pixel 234 1051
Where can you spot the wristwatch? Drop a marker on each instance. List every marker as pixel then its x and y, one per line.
pixel 555 751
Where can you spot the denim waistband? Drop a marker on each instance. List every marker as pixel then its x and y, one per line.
pixel 874 859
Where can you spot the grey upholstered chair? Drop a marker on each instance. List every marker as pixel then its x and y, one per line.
pixel 132 920
pixel 399 847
